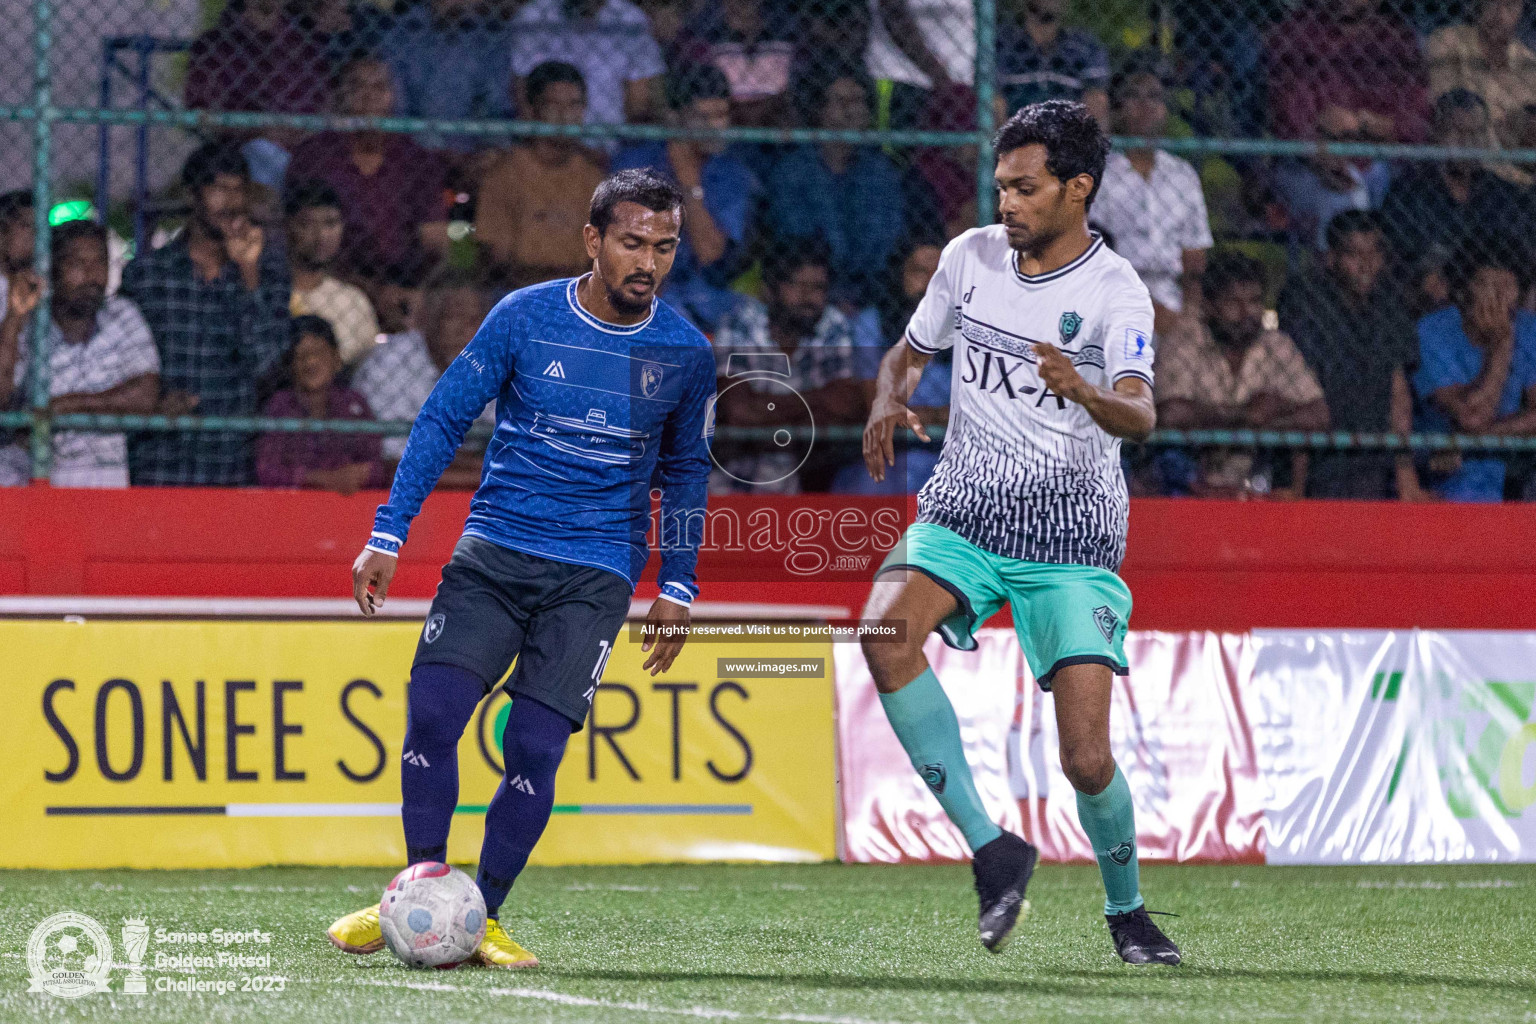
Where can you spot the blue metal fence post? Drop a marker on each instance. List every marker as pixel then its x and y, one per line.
pixel 986 88
pixel 42 199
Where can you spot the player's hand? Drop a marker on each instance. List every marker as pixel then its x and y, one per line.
pixel 244 242
pixel 371 574
pixel 1058 374
pixel 664 633
pixel 879 434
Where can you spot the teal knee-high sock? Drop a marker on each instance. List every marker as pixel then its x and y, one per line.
pixel 1110 821
pixel 925 722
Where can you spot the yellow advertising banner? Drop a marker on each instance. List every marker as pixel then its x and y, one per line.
pixel 233 744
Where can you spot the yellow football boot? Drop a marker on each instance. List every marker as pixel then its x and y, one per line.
pixel 357 932
pixel 498 949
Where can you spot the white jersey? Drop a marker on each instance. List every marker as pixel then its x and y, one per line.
pixel 1024 472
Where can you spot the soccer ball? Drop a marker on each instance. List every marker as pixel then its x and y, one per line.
pixel 432 915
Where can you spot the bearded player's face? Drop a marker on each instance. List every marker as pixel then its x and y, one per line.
pixel 634 254
pixel 1034 205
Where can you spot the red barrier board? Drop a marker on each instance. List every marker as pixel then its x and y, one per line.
pixel 1191 564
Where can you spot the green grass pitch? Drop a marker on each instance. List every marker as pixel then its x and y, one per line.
pixel 832 944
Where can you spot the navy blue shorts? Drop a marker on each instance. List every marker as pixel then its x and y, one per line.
pixel 558 620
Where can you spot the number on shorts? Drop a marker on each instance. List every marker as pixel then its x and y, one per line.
pixel 605 648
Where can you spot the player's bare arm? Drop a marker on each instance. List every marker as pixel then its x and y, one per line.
pixel 900 371
pixel 664 633
pixel 1125 411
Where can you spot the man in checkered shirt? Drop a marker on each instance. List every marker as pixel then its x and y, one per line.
pixel 216 300
pixel 101 360
pixel 765 355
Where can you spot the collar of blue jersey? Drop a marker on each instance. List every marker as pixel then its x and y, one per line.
pixel 1059 272
pixel 603 325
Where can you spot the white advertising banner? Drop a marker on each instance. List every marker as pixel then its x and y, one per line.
pixel 1278 746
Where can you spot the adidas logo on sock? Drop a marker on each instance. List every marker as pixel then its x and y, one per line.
pixel 416 759
pixel 521 784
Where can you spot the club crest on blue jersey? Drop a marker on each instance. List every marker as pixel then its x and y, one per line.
pixel 650 380
pixel 1071 323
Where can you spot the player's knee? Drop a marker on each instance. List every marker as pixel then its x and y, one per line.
pixel 892 663
pixel 1090 767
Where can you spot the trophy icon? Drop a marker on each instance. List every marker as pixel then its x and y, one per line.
pixel 135 941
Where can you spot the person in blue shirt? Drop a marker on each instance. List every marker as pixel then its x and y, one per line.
pixel 599 388
pixel 719 194
pixel 1477 364
pixel 850 197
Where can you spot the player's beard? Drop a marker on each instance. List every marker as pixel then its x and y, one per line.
pixel 623 303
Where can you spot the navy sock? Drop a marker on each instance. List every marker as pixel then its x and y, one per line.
pixel 441 699
pixel 532 745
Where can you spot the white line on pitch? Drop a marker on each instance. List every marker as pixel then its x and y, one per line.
pixel 565 999
pixel 312 810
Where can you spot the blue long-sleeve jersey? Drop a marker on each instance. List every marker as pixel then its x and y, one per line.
pixel 589 415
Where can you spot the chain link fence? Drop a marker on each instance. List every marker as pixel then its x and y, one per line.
pixel 307 207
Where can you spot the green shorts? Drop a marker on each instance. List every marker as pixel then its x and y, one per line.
pixel 1063 614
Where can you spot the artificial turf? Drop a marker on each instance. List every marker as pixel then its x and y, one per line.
pixel 831 943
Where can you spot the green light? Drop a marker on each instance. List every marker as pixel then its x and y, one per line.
pixel 71 209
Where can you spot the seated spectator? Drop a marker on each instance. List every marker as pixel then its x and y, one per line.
pixel 1221 46
pixel 345 463
pixel 391 189
pixel 101 360
pixel 534 200
pixel 341 29
pixel 1038 58
pixel 1350 323
pixel 256 58
pixel 940 184
pixel 18 236
pixel 846 195
pixel 920 48
pixel 1477 365
pixel 1224 370
pixel 670 27
pixel 832 38
pixel 216 301
pixel 874 332
pixel 795 342
pixel 753 49
pixel 1314 191
pixel 401 372
pixel 314 240
pixel 719 195
pixel 1346 53
pixel 449 61
pixel 1488 58
pixel 1433 205
pixel 1150 201
pixel 608 40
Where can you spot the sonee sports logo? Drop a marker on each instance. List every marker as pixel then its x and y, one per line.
pixel 1105 618
pixel 1121 854
pixel 411 757
pixel 522 785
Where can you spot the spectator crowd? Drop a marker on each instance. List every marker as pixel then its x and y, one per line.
pixel 334 275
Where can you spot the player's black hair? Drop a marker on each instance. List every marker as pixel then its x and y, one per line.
pixel 319 326
pixel 208 162
pixel 1228 267
pixel 692 82
pixel 310 195
pixel 1138 64
pixel 1074 143
pixel 547 74
pixel 639 185
pixel 70 232
pixel 787 255
pixel 1351 222
pixel 15 203
pixel 1497 252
